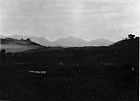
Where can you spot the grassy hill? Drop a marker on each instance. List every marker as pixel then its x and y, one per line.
pixel 15 45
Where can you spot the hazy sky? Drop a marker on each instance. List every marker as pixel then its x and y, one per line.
pixel 87 19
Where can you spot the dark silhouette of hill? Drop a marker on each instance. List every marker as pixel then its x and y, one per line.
pixel 127 51
pixel 127 43
pixel 125 48
pixel 124 52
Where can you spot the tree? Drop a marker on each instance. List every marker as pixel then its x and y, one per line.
pixel 28 39
pixel 3 55
pixel 131 36
pixel 3 51
pixel 21 39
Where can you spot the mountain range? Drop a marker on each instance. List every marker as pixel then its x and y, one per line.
pixel 65 42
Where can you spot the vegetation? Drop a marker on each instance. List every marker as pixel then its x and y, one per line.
pixel 80 73
pixel 131 36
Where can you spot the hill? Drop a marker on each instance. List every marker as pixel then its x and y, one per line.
pixel 40 40
pixel 115 53
pixel 15 45
pixel 126 43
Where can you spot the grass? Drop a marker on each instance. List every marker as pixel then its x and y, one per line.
pixel 78 74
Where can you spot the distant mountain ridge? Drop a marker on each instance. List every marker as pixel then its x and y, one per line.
pixel 70 41
pixel 66 42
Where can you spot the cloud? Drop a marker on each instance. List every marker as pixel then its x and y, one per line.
pixel 88 19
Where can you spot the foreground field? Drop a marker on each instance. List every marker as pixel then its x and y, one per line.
pixel 66 74
pixel 68 89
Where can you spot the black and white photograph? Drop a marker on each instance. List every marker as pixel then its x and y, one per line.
pixel 69 50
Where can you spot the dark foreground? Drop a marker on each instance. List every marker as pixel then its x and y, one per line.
pixel 72 74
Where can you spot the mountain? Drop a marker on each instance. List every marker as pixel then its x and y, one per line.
pixel 70 42
pixel 74 42
pixel 40 40
pixel 15 45
pixel 100 42
pixel 66 42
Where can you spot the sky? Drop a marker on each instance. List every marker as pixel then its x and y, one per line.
pixel 86 19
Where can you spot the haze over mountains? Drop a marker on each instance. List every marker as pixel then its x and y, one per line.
pixel 65 42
